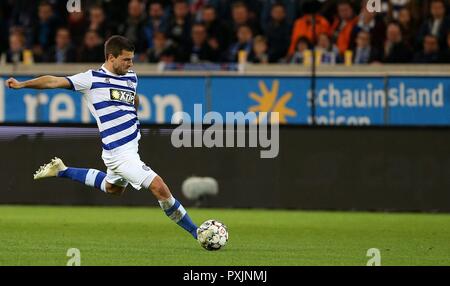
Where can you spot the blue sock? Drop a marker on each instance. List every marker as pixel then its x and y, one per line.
pixel 89 177
pixel 176 212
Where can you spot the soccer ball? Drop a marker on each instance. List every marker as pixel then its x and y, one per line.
pixel 212 235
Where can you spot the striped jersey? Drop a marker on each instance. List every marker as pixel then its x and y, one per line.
pixel 110 99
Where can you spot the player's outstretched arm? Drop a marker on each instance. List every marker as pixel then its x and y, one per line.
pixel 43 82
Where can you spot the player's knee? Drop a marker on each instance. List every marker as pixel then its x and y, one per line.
pixel 159 188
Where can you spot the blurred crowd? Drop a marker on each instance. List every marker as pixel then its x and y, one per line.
pixel 218 31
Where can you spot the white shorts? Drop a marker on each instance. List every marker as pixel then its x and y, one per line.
pixel 128 169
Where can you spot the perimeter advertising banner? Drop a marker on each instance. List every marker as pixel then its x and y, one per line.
pixel 338 101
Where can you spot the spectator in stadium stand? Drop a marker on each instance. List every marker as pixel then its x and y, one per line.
pixel 437 24
pixel 77 26
pixel 303 28
pixel 241 16
pixel 4 10
pixel 395 49
pixel 16 46
pixel 301 47
pixel 408 25
pixel 278 33
pixel 20 13
pixel 63 50
pixel 218 32
pixel 197 7
pixel 244 43
pixel 179 26
pixel 225 8
pixel 416 8
pixel 343 24
pixel 446 53
pixel 328 8
pixel 97 22
pixel 133 28
pixel 372 23
pixel 200 51
pixel 162 48
pixel 395 6
pixel 114 10
pixel 291 10
pixel 60 8
pixel 155 22
pixel 44 30
pixel 365 52
pixel 259 53
pixel 40 20
pixel 329 51
pixel 430 53
pixel 92 50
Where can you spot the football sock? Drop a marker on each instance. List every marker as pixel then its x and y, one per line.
pixel 176 212
pixel 89 177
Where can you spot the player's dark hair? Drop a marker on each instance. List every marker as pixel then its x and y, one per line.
pixel 116 44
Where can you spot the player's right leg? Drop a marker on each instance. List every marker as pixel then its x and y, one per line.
pixel 172 207
pixel 90 177
pixel 140 176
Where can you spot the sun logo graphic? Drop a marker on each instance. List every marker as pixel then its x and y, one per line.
pixel 269 102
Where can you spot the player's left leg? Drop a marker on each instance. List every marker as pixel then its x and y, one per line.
pixel 172 207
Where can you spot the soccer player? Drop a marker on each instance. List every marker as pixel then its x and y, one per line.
pixel 113 101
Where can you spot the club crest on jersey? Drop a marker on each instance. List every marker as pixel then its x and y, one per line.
pixel 122 95
pixel 130 84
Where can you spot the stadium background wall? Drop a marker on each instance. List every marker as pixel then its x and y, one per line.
pixel 329 168
pixel 382 168
pixel 374 95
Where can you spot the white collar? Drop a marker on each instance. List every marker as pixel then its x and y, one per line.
pixel 107 71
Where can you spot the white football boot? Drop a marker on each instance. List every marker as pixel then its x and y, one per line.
pixel 51 169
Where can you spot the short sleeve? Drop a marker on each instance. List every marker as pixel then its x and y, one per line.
pixel 81 81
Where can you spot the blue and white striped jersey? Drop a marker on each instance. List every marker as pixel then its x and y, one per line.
pixel 110 99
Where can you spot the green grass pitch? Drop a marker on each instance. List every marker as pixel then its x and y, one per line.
pixel 38 235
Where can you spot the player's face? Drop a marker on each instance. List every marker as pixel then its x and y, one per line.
pixel 123 62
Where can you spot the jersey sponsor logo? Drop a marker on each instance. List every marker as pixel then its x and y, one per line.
pixel 122 95
pixel 146 168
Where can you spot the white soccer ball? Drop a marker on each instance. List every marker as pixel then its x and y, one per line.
pixel 212 235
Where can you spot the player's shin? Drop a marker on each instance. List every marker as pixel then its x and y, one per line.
pixel 89 177
pixel 176 212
